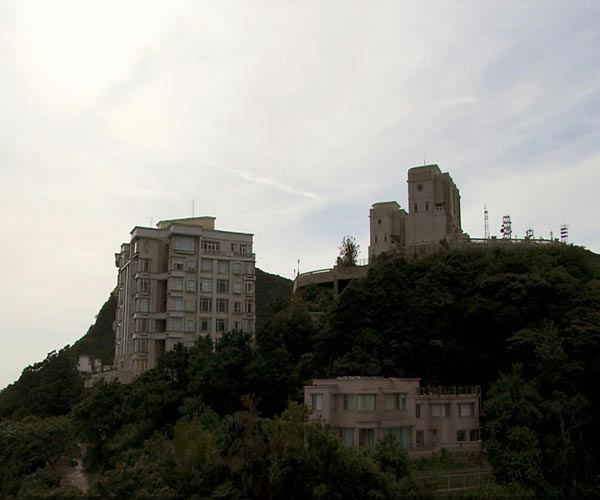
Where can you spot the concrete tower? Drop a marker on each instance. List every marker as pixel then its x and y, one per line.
pixel 388 229
pixel 434 208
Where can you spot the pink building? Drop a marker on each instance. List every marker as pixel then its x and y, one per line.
pixel 362 410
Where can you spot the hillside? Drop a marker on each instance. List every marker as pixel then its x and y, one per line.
pixel 99 341
pixel 272 292
pixel 522 321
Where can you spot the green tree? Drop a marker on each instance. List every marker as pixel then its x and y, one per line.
pixel 349 251
pixel 33 455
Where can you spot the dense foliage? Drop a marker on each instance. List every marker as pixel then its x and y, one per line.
pixel 221 420
pixel 34 453
pixel 47 388
pixel 99 341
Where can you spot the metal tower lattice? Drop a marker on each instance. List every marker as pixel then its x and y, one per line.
pixel 564 233
pixel 486 223
pixel 506 229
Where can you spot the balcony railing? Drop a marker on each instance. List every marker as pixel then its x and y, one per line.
pixel 455 390
pixel 227 253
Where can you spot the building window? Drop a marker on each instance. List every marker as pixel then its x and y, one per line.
pixel 189 325
pixel 190 286
pixel 190 265
pixel 249 307
pixel 420 438
pixel 237 287
pixel 206 265
pixel 176 304
pixel 366 438
pixel 177 264
pixel 249 268
pixel 237 268
pixel 190 305
pixel 461 435
pixel 221 325
pixel 346 434
pixel 365 402
pixel 210 246
pixel 140 364
pixel 248 325
pixel 143 305
pixel 349 402
pixel 144 266
pixel 418 411
pixel 249 286
pixel 175 324
pixel 144 285
pixel 245 248
pixel 317 402
pixel 466 409
pixel 439 410
pixel 402 434
pixel 206 286
pixel 237 307
pixel 141 325
pixel 223 266
pixel 395 401
pixel 184 243
pixel 426 206
pixel 205 305
pixel 222 286
pixel 416 207
pixel 175 284
pixel 140 345
pixel 204 325
pixel 474 435
pixel 222 305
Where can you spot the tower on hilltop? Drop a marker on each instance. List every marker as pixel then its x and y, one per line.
pixel 433 217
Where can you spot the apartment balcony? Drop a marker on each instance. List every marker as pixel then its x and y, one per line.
pixel 455 390
pixel 228 253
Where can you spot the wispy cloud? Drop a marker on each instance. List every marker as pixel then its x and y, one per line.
pixel 281 186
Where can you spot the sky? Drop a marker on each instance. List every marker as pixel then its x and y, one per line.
pixel 283 119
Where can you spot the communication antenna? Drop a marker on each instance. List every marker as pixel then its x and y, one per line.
pixel 486 223
pixel 564 233
pixel 506 229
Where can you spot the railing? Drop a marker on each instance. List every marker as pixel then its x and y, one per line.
pixel 317 271
pixel 455 390
pixel 455 482
pixel 539 241
pixel 359 263
pixel 227 253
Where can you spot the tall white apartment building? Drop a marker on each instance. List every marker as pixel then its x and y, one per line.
pixel 177 282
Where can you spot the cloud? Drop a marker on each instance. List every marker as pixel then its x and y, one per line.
pixel 286 120
pixel 250 177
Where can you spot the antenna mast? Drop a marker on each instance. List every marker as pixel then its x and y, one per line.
pixel 486 223
pixel 564 233
pixel 506 229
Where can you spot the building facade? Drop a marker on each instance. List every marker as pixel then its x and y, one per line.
pixel 363 410
pixel 433 216
pixel 433 219
pixel 176 282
